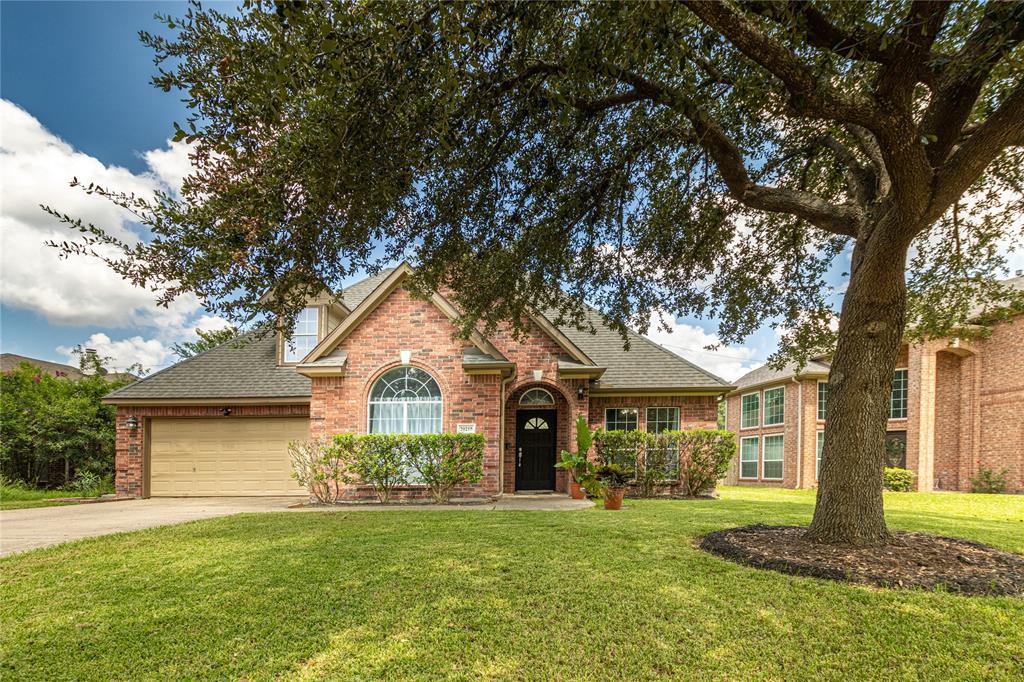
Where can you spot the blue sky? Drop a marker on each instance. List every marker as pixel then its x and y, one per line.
pixel 77 101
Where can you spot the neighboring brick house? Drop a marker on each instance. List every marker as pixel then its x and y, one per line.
pixel 956 404
pixel 375 359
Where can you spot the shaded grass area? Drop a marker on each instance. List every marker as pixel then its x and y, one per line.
pixel 480 595
pixel 18 497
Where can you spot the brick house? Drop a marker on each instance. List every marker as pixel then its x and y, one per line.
pixel 956 404
pixel 373 359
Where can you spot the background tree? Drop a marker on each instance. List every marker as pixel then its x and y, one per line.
pixel 689 158
pixel 47 420
pixel 207 340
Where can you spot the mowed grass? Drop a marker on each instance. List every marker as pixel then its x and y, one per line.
pixel 485 595
pixel 17 497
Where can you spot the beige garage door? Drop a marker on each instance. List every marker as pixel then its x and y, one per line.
pixel 241 456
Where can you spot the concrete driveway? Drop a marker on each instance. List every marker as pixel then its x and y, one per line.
pixel 25 529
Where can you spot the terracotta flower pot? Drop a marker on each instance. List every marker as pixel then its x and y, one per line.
pixel 613 498
pixel 575 491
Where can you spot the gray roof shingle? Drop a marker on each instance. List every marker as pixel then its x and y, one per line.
pixel 249 370
pixel 764 375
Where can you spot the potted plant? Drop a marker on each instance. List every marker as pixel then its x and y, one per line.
pixel 613 479
pixel 577 463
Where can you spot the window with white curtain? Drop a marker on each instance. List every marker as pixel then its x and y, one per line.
pixel 304 335
pixel 405 400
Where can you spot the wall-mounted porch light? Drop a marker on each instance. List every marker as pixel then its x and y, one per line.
pixel 132 422
pixel 580 392
pixel 226 412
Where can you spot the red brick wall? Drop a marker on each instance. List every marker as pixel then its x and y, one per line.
pixel 1001 404
pixel 130 443
pixel 947 421
pixel 788 429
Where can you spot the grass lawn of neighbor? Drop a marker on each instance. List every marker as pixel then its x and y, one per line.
pixel 15 497
pixel 485 595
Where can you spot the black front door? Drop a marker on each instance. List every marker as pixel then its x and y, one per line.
pixel 535 450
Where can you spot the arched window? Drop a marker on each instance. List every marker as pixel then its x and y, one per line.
pixel 405 400
pixel 536 396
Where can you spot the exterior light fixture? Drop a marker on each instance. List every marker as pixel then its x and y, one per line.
pixel 132 422
pixel 226 412
pixel 580 392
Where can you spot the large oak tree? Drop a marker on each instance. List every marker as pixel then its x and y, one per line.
pixel 691 158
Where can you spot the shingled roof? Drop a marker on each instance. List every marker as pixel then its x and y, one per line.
pixel 766 375
pixel 249 370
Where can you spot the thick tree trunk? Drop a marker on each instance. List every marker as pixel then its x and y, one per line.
pixel 849 504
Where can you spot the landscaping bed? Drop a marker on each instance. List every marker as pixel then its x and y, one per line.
pixel 911 560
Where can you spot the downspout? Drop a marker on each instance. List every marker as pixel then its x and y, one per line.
pixel 799 432
pixel 501 433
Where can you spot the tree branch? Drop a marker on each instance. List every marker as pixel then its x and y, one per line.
pixel 998 32
pixel 869 145
pixel 808 94
pixel 911 51
pixel 860 44
pixel 1002 129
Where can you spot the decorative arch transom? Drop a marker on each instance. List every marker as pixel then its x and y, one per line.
pixel 405 400
pixel 536 424
pixel 536 396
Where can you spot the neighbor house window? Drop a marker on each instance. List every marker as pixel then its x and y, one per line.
pixel 405 400
pixel 662 419
pixel 771 463
pixel 821 446
pixel 822 399
pixel 898 399
pixel 304 335
pixel 620 419
pixel 774 405
pixel 536 396
pixel 750 408
pixel 748 457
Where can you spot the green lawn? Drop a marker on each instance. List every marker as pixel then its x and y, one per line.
pixel 12 497
pixel 480 595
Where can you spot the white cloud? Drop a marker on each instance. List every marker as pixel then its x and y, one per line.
pixel 170 165
pixel 150 353
pixel 691 342
pixel 36 168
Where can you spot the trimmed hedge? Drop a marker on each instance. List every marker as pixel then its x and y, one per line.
pixel 693 460
pixel 897 479
pixel 439 461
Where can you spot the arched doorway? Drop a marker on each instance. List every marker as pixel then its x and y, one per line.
pixel 538 423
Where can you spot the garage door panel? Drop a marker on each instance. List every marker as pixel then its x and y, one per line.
pixel 223 456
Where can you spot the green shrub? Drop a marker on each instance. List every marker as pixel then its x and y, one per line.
pixel 379 460
pixel 318 466
pixel 445 461
pixel 706 455
pixel 695 460
pixel 989 480
pixel 897 479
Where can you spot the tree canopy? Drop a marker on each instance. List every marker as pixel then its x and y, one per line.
pixel 695 157
pixel 206 341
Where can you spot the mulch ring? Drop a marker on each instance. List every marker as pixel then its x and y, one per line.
pixel 911 560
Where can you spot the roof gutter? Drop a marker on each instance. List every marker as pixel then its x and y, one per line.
pixel 296 400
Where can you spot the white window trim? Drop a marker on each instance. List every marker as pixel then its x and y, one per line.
pixel 760 402
pixel 905 418
pixel 764 405
pixel 757 461
pixel 783 460
pixel 287 338
pixel 537 388
pixel 405 404
pixel 817 413
pixel 819 435
pixel 608 409
pixel 679 415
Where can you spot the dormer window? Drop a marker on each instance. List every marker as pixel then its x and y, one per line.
pixel 305 335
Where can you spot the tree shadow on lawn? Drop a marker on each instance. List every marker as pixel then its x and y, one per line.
pixel 455 595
